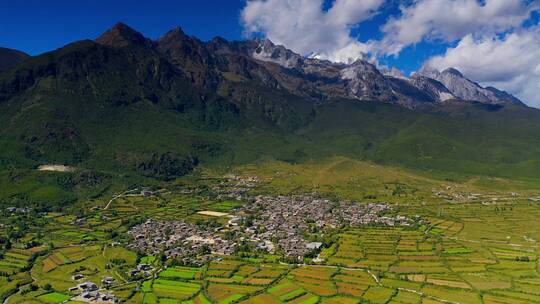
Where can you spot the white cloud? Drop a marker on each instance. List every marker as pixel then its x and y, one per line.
pixel 510 63
pixel 450 20
pixel 304 27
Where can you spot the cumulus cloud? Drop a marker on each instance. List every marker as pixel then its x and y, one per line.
pixel 449 20
pixel 511 62
pixel 304 27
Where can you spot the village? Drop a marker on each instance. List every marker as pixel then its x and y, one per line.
pixel 288 218
pixel 271 224
pixel 178 240
pixel 228 221
pixel 453 195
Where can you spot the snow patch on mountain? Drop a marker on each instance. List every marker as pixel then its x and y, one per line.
pixel 365 80
pixel 269 52
pixel 466 89
pixel 444 96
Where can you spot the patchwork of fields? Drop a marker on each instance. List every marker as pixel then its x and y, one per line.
pixel 16 259
pixel 375 265
pixel 425 281
pixel 477 248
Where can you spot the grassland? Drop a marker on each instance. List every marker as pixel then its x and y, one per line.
pixel 54 297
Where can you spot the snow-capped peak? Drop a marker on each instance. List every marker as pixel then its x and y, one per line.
pixel 269 52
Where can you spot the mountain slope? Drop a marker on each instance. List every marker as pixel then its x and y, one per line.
pixel 128 106
pixel 432 87
pixel 9 58
pixel 466 89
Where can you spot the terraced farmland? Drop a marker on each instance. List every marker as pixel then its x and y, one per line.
pixel 467 251
pixel 15 260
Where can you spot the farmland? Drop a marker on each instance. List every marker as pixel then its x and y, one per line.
pixel 467 244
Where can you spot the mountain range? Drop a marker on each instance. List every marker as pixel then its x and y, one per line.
pixel 208 65
pixel 124 103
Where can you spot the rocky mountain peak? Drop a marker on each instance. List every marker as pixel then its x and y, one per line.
pixel 432 87
pixel 189 55
pixel 466 89
pixel 360 69
pixel 364 80
pixel 317 79
pixel 219 44
pixel 267 51
pixel 453 71
pixel 121 35
pixel 176 35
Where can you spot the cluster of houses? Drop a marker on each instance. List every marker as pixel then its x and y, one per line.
pixel 235 187
pixel 288 218
pixel 179 240
pixel 142 269
pixel 452 195
pixel 96 297
pixel 269 223
pixel 89 292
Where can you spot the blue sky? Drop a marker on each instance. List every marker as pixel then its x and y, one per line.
pixel 396 33
pixel 36 26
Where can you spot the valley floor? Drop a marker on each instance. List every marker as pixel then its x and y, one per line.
pixel 473 242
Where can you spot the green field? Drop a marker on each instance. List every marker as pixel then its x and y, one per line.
pixel 180 273
pixel 54 297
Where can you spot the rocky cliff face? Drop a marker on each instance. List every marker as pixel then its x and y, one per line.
pixel 363 80
pixel 432 87
pixel 322 80
pixel 466 89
